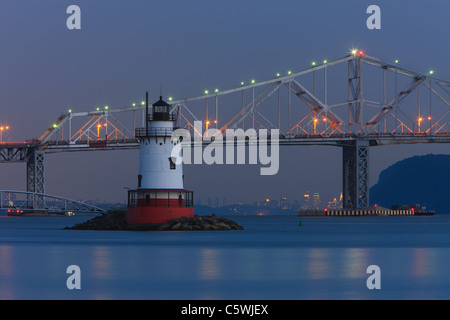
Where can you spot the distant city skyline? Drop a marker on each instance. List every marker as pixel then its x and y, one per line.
pixel 314 201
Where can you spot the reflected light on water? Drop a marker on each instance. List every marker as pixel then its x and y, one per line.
pixel 209 266
pixel 6 272
pixel 423 262
pixel 101 262
pixel 355 262
pixel 318 266
pixel 6 267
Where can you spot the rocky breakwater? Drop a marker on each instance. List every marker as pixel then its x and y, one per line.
pixel 200 223
pixel 115 220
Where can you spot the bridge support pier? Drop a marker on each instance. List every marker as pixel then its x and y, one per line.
pixel 35 179
pixel 355 169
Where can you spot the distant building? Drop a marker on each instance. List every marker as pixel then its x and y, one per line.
pixel 284 205
pixel 306 204
pixel 217 203
pixel 316 201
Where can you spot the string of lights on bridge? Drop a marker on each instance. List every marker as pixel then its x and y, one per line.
pixel 354 52
pixel 252 82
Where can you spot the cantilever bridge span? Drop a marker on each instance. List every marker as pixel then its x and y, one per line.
pixel 354 102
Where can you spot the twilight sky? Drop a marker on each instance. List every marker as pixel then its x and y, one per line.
pixel 127 47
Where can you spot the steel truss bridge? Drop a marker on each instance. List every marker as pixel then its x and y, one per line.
pixel 355 103
pixel 21 201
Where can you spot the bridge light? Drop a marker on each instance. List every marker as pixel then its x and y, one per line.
pixel 106 107
pixel 170 98
pixel 278 74
pixel 253 81
pixel 134 104
pixel 206 92
pixel 354 51
pixel 143 103
pixel 55 125
pixel 242 83
pixel 429 118
pixel 313 63
pixel 98 109
pixel 325 61
pixel 396 60
pixel 431 72
pixel 70 110
pixel 289 72
pixel 216 91
pixel 361 53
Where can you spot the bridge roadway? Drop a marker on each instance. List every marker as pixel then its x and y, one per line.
pixel 311 139
pixel 20 151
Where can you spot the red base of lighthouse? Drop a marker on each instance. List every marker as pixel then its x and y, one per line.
pixel 153 207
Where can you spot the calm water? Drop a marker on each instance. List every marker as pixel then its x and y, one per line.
pixel 273 258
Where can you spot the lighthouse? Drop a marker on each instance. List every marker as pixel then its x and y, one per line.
pixel 160 194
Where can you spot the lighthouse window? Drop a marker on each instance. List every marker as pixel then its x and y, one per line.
pixel 172 163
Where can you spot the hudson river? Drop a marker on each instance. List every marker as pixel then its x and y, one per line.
pixel 273 258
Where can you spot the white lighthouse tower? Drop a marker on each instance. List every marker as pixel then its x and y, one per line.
pixel 160 195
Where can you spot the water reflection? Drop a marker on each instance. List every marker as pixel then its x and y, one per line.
pixel 184 265
pixel 101 262
pixel 6 273
pixel 422 263
pixel 6 265
pixel 209 264
pixel 355 262
pixel 318 266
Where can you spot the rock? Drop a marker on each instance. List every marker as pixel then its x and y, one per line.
pixel 115 220
pixel 112 220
